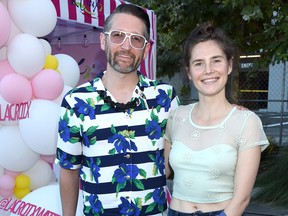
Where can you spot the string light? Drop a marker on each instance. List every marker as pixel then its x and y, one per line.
pixel 85 41
pixel 59 44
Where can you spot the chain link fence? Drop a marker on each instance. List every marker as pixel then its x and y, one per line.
pixel 266 93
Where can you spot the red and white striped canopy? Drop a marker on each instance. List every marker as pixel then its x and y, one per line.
pixel 94 13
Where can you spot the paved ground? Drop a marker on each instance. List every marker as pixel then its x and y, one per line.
pixel 265 210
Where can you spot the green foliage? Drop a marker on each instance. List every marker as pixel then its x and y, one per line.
pixel 257 26
pixel 272 180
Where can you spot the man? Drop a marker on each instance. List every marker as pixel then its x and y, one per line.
pixel 111 129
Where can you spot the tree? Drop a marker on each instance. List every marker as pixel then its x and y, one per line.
pixel 257 26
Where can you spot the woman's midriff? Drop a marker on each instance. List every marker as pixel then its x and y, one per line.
pixel 190 207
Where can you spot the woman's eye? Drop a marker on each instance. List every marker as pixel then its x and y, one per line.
pixel 198 64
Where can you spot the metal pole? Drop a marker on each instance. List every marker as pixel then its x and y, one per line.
pixel 282 105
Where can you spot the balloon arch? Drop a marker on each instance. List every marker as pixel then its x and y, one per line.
pixel 32 84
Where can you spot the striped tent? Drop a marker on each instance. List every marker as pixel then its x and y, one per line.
pixel 94 13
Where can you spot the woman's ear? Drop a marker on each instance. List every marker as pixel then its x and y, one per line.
pixel 188 74
pixel 230 66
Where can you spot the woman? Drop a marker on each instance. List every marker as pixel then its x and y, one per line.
pixel 213 148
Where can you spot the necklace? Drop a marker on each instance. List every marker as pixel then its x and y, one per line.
pixel 121 107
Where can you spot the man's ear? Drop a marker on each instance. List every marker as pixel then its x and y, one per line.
pixel 146 51
pixel 102 41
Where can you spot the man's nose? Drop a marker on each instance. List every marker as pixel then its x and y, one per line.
pixel 126 44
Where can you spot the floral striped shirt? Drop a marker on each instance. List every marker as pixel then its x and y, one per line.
pixel 120 153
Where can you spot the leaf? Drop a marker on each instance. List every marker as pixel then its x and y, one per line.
pixel 73 140
pixel 91 130
pixel 113 129
pixel 74 129
pixel 151 157
pixel 138 183
pixel 148 196
pixel 112 151
pixel 93 140
pixel 150 207
pixel 154 117
pixel 120 186
pixel 105 107
pixel 142 173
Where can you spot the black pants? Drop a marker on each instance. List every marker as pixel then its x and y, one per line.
pixel 172 212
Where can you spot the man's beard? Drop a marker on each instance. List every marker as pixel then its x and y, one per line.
pixel 119 67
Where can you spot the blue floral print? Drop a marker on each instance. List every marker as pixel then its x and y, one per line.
pixel 117 162
pixel 121 144
pixel 128 173
pixel 85 109
pixel 163 99
pixel 64 130
pixel 127 208
pixel 67 164
pixel 94 168
pixel 153 130
pixel 95 206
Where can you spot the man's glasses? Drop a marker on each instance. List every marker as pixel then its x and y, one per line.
pixel 118 37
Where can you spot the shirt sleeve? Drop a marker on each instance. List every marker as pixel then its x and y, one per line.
pixel 252 134
pixel 69 148
pixel 169 125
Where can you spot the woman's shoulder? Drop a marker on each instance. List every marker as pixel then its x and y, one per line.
pixel 182 110
pixel 185 108
pixel 246 115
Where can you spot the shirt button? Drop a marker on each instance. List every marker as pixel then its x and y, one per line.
pixel 127 197
pixel 127 156
pixel 127 177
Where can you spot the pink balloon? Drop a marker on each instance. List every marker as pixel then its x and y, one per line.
pixel 11 173
pixel 6 193
pixel 47 84
pixel 16 89
pixel 5 25
pixel 5 68
pixel 48 158
pixel 7 182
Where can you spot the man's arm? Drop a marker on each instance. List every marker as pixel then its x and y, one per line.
pixel 69 190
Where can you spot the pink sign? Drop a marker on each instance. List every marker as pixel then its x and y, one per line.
pixel 14 112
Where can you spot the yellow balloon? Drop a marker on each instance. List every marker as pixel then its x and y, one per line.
pixel 22 181
pixel 21 192
pixel 51 62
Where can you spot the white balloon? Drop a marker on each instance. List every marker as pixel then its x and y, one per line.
pixel 15 155
pixel 56 169
pixel 36 17
pixel 1 171
pixel 69 69
pixel 26 55
pixel 59 99
pixel 48 199
pixel 40 175
pixel 39 131
pixel 14 31
pixel 47 46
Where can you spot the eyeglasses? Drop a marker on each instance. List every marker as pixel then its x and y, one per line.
pixel 118 37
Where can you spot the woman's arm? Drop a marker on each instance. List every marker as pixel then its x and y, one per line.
pixel 245 176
